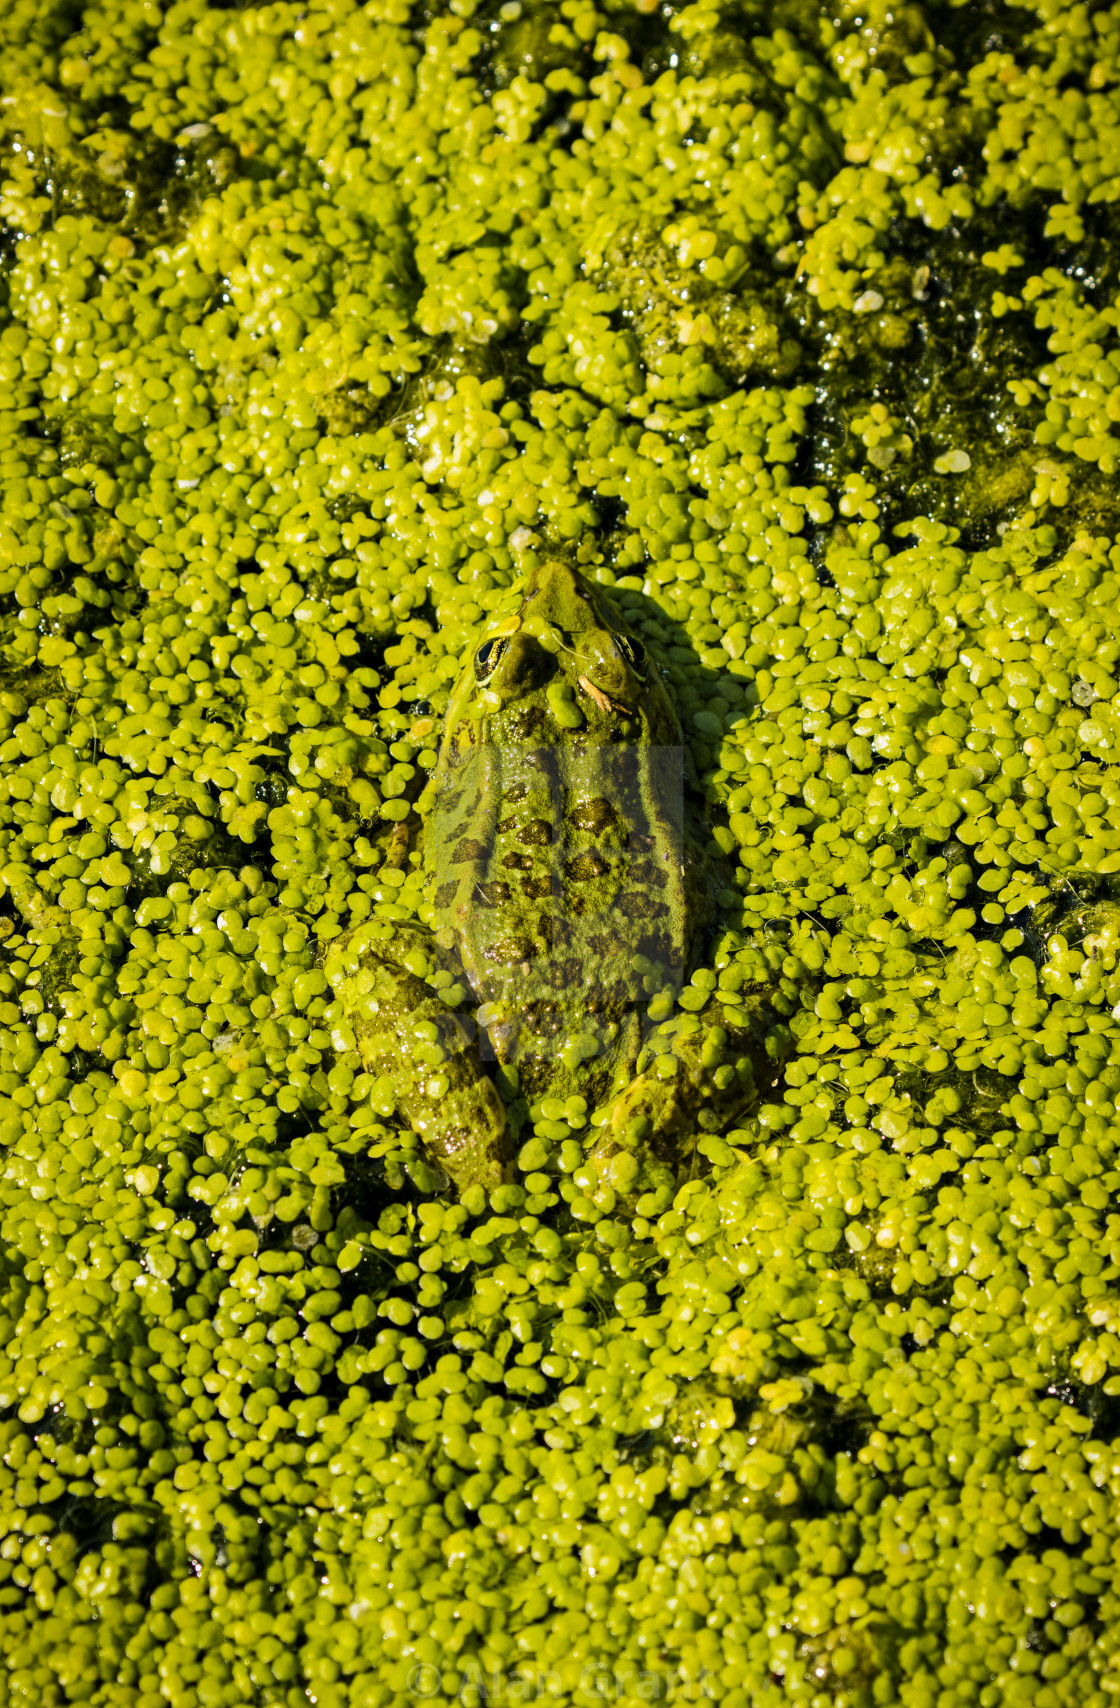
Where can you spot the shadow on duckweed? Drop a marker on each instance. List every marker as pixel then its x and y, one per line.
pixel 148 189
pixel 934 303
pixel 752 341
pixel 1085 911
pixel 903 423
pixel 932 306
pixel 355 408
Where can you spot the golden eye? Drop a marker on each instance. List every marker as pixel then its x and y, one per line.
pixel 487 656
pixel 631 650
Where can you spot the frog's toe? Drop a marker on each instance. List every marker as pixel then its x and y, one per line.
pixel 632 1182
pixel 643 1142
pixel 469 1135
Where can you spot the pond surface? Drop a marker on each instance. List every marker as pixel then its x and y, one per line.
pixel 797 331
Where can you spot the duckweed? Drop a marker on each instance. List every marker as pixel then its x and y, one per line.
pixel 798 330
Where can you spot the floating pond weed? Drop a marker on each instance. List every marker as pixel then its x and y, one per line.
pixel 796 331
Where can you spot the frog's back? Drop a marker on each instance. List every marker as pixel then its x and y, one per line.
pixel 558 844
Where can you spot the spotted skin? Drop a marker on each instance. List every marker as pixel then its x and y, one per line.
pixel 564 853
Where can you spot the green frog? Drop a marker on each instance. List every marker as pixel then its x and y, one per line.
pixel 572 892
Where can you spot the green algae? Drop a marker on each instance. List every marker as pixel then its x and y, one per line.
pixel 798 331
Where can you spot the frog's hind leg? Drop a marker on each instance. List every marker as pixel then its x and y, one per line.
pixel 699 1075
pixel 422 1056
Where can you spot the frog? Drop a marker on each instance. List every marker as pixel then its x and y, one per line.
pixel 572 887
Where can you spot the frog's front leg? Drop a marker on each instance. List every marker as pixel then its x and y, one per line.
pixel 420 1051
pixel 698 1074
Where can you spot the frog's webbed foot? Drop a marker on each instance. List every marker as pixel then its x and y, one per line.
pixel 396 855
pixel 698 1075
pixel 422 1056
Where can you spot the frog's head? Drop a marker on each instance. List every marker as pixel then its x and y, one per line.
pixel 564 667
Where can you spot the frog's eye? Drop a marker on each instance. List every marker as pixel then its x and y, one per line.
pixel 632 650
pixel 487 657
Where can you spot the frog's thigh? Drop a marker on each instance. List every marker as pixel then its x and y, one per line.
pixel 703 1073
pixel 426 1058
pixel 406 946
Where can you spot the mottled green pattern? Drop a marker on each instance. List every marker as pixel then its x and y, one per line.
pixel 796 330
pixel 563 849
pixel 422 1060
